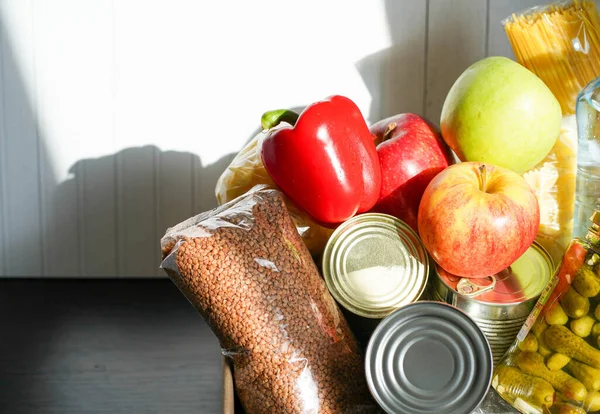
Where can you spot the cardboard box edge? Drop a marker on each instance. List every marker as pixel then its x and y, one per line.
pixel 228 392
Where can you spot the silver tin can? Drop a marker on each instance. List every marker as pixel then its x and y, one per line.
pixel 501 303
pixel 375 263
pixel 428 357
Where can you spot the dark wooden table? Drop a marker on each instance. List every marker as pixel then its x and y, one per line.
pixel 110 346
pixel 105 346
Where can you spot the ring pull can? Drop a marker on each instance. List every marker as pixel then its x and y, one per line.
pixel 501 305
pixel 470 288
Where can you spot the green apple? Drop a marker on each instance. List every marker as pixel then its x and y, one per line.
pixel 499 112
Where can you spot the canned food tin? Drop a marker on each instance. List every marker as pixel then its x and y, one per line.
pixel 373 264
pixel 500 303
pixel 428 357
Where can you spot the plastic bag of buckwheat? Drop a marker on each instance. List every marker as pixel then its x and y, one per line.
pixel 244 267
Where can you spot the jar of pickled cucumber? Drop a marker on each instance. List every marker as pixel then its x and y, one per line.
pixel 554 364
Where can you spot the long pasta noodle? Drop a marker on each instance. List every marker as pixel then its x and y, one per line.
pixel 560 43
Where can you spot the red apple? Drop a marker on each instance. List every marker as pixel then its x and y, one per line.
pixel 411 153
pixel 476 219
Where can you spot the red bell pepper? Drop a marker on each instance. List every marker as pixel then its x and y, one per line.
pixel 327 162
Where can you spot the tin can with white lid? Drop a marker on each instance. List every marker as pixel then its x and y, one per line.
pixel 428 357
pixel 373 264
pixel 500 303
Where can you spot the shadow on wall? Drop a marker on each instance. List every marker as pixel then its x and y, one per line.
pixel 126 202
pixel 396 76
pixel 106 219
pixel 428 53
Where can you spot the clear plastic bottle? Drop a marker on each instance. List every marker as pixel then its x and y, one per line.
pixel 587 193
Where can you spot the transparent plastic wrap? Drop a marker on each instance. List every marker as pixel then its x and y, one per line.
pixel 553 181
pixel 493 404
pixel 560 43
pixel 247 170
pixel 554 365
pixel 244 267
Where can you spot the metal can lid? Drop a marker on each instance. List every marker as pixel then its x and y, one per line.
pixel 522 281
pixel 374 263
pixel 428 357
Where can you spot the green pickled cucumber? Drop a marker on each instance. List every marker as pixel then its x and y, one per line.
pixel 596 329
pixel 559 398
pixel 589 377
pixel 512 383
pixel 557 361
pixel 586 282
pixel 532 363
pixel 556 315
pixel 530 343
pixel 592 401
pixel 566 408
pixel 574 304
pixel 560 339
pixel 538 329
pixel 583 326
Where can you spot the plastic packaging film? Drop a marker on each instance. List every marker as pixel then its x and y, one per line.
pixel 247 170
pixel 560 43
pixel 554 365
pixel 244 267
pixel 553 181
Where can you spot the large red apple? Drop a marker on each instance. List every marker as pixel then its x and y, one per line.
pixel 411 153
pixel 476 219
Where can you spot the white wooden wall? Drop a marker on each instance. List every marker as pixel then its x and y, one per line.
pixel 118 116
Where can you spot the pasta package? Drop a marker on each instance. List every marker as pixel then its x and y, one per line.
pixel 560 43
pixel 246 171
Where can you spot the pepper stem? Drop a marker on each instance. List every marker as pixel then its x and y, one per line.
pixel 273 118
pixel 482 177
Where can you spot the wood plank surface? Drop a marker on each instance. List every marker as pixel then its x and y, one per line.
pixel 176 171
pixel 3 163
pixel 395 76
pixel 72 69
pixel 21 164
pixel 138 246
pixel 110 346
pixel 113 346
pixel 456 39
pixel 102 128
pixel 499 10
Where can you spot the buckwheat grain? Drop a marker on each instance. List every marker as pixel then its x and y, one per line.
pixel 244 267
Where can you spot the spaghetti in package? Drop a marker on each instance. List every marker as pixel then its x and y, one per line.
pixel 554 364
pixel 560 43
pixel 246 171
